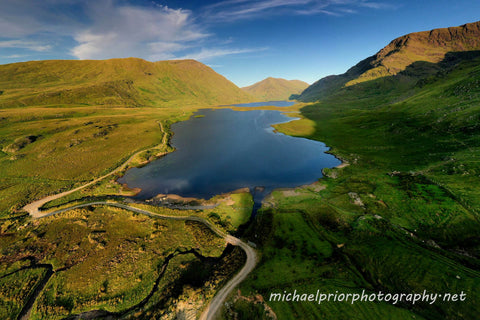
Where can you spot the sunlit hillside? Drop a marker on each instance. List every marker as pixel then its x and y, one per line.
pixel 116 82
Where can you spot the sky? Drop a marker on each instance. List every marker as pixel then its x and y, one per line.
pixel 244 40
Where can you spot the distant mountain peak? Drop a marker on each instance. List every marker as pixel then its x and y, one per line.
pixel 275 89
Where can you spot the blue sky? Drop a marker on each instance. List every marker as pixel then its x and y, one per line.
pixel 244 40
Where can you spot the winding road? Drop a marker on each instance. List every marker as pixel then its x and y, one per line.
pixel 34 208
pixel 215 305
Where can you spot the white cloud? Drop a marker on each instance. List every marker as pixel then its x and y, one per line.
pixel 167 46
pixel 30 45
pixel 231 10
pixel 165 50
pixel 123 31
pixel 120 28
pixel 205 54
pixel 244 9
pixel 14 56
pixel 12 27
pixel 376 5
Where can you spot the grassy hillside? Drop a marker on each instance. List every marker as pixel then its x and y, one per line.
pixel 112 260
pixel 275 89
pixel 129 82
pixel 44 150
pixel 403 217
pixel 427 46
pixel 63 123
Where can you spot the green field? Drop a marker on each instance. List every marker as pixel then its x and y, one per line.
pixel 401 218
pixel 111 260
pixel 71 146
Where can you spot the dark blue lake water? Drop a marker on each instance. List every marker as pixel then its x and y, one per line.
pixel 266 104
pixel 226 150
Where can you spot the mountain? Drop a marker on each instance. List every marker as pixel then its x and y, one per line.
pixel 275 89
pixel 118 82
pixel 411 135
pixel 427 46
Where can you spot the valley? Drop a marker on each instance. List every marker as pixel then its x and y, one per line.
pixel 400 215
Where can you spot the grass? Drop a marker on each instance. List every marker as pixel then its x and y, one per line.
pixel 231 211
pixel 103 258
pixel 297 256
pixel 15 289
pixel 130 82
pixel 73 146
pixel 401 218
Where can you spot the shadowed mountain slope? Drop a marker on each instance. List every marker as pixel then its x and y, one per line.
pixel 427 46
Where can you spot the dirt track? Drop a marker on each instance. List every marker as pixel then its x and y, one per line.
pixel 34 208
pixel 215 305
pixel 210 312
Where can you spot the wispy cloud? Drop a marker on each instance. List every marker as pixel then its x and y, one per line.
pixel 376 5
pixel 101 28
pixel 23 44
pixel 205 54
pixel 14 56
pixel 104 29
pixel 232 10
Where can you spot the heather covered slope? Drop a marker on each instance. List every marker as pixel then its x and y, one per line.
pixel 275 89
pixel 427 46
pixel 116 82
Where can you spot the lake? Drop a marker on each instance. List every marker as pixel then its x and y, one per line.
pixel 266 104
pixel 218 151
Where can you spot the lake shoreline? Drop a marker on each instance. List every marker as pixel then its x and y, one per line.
pixel 182 199
pixel 227 150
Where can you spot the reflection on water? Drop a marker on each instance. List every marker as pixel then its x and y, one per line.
pixel 226 150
